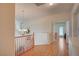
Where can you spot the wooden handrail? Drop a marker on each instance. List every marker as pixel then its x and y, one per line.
pixel 22 36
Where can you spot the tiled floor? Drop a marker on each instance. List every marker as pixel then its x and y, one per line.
pixel 57 48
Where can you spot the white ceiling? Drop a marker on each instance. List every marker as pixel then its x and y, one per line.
pixel 31 11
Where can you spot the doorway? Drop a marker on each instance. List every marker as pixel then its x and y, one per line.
pixel 60 28
pixel 61 31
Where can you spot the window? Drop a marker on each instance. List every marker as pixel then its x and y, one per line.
pixel 61 31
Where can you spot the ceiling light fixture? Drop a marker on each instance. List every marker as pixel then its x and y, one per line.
pixel 50 4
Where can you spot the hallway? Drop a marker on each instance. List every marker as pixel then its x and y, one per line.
pixel 57 48
pixel 33 19
pixel 24 26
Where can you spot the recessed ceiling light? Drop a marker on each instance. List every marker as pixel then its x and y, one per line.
pixel 50 4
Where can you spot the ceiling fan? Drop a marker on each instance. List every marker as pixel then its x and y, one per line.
pixel 39 4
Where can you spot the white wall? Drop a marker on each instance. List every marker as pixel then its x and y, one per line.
pixel 78 25
pixel 7 28
pixel 75 39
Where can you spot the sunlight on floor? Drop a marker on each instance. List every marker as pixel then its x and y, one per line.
pixel 61 43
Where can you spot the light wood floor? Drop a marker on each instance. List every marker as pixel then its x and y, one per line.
pixel 57 48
